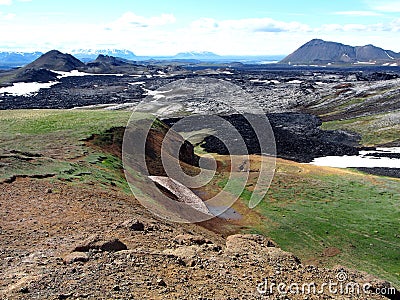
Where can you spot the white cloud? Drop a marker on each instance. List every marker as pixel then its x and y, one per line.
pixel 130 19
pixel 390 6
pixel 253 36
pixel 355 27
pixel 6 17
pixel 9 2
pixel 394 26
pixel 250 25
pixel 164 35
pixel 204 24
pixel 358 13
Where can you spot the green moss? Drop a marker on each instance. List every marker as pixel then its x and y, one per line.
pixel 307 213
pixel 57 136
pixel 79 123
pixel 356 214
pixel 350 102
pixel 374 130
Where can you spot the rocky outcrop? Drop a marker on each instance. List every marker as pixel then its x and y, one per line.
pixel 94 242
pixel 76 257
pixel 181 193
pixel 111 141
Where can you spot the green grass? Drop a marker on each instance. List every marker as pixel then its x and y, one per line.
pixel 57 135
pixel 78 123
pixel 308 213
pixel 374 130
pixel 235 188
pixel 99 169
pixel 349 103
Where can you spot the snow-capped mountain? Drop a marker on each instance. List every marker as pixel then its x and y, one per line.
pixel 86 55
pixel 196 55
pixel 9 59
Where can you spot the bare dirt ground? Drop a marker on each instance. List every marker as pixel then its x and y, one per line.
pixel 63 241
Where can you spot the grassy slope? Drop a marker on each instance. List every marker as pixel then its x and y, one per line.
pixel 316 212
pixel 360 217
pixel 368 109
pixel 374 130
pixel 356 214
pixel 57 135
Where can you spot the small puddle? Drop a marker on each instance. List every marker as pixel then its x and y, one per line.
pixel 223 212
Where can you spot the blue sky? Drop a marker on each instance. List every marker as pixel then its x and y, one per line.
pixel 162 27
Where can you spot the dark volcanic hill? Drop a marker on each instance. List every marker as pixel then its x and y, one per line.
pixel 319 51
pixel 107 59
pixel 32 75
pixel 41 70
pixel 106 63
pixel 55 60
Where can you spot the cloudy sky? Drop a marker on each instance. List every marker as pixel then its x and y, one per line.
pixel 166 27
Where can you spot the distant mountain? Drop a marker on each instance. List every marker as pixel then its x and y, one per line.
pixel 111 60
pixel 41 69
pixel 55 60
pixel 10 59
pixel 108 64
pixel 204 55
pixel 87 55
pixel 318 51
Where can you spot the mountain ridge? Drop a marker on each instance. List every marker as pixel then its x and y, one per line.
pixel 42 69
pixel 7 60
pixel 14 59
pixel 87 55
pixel 109 64
pixel 196 55
pixel 327 52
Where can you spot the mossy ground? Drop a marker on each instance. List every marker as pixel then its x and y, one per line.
pixel 374 130
pixel 331 217
pixel 57 138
